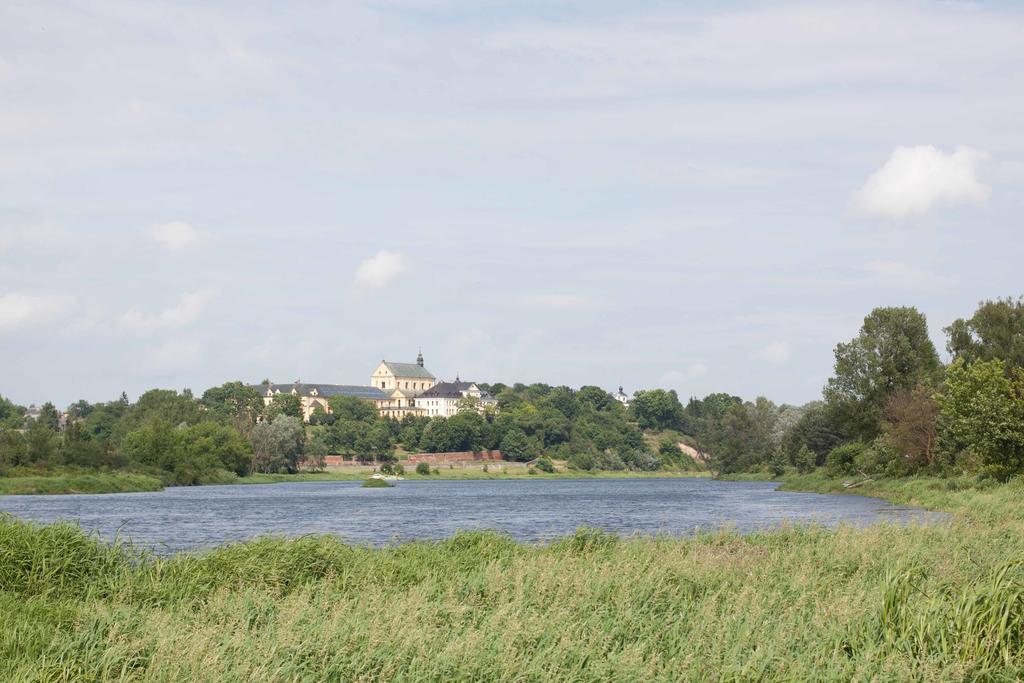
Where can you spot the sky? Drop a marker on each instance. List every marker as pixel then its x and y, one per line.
pixel 695 196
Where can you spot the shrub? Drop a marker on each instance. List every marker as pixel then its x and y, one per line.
pixel 423 469
pixel 387 468
pixel 545 465
pixel 377 484
pixel 841 459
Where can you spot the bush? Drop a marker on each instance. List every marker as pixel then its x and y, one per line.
pixel 422 469
pixel 387 468
pixel 842 460
pixel 399 470
pixel 545 465
pixel 377 484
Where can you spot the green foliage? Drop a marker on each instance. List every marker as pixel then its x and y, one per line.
pixel 994 332
pixel 285 403
pixel 545 465
pixel 891 352
pixel 11 415
pixel 515 446
pixel 842 460
pixel 352 409
pixel 422 469
pixel 982 411
pixel 278 444
pixel 234 403
pixel 373 483
pixel 657 409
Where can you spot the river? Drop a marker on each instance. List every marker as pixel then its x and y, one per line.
pixel 186 518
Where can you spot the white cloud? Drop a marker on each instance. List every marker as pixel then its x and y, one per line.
pixel 379 270
pixel 557 302
pixel 175 355
pixel 776 353
pixel 899 275
pixel 677 376
pixel 19 310
pixel 189 307
pixel 176 236
pixel 917 180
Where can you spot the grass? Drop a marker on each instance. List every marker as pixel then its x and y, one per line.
pixel 58 482
pixel 85 482
pixel 377 484
pixel 942 602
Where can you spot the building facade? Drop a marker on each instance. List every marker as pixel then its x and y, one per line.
pixel 445 399
pixel 401 383
pixel 313 396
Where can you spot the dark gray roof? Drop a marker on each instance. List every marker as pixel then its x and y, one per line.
pixel 408 370
pixel 325 390
pixel 451 390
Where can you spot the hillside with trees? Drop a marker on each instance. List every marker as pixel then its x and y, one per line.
pixel 890 408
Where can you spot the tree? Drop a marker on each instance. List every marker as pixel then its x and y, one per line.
pixel 995 331
pixel 982 410
pixel 437 437
pixel 909 422
pixel 376 444
pixel 278 444
pixel 11 415
pixel 891 352
pixel 657 409
pixel 220 442
pixel 285 403
pixel 516 446
pixel 49 416
pixel 352 408
pixel 816 430
pixel 235 404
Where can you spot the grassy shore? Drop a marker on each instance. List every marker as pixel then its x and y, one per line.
pixel 122 482
pixel 85 482
pixel 943 602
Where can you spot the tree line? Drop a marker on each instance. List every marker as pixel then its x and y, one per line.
pixel 891 407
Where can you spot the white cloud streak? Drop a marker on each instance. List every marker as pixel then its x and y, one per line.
pixel 188 309
pixel 19 310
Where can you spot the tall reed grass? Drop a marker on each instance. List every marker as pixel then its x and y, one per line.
pixel 941 602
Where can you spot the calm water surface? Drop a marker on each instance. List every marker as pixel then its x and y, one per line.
pixel 198 517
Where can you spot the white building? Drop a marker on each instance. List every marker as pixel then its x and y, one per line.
pixel 621 397
pixel 442 400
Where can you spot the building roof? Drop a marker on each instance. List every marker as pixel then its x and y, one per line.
pixel 452 390
pixel 324 390
pixel 403 370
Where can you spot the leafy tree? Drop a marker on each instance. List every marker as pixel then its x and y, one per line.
pixel 157 404
pixel 11 415
pixel 464 431
pixel 994 332
pixel 285 403
pixel 422 468
pixel 816 430
pixel 982 410
pixel 49 416
pixel 277 445
pixel 376 444
pixel 437 437
pixel 909 423
pixel 220 442
pixel 352 408
pixel 235 404
pixel 891 352
pixel 515 446
pixel 657 409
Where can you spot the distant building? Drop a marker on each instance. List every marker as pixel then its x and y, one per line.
pixel 401 383
pixel 313 396
pixel 442 400
pixel 621 397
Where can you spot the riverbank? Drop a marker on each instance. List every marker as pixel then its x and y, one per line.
pixel 940 602
pixel 82 482
pixel 125 482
